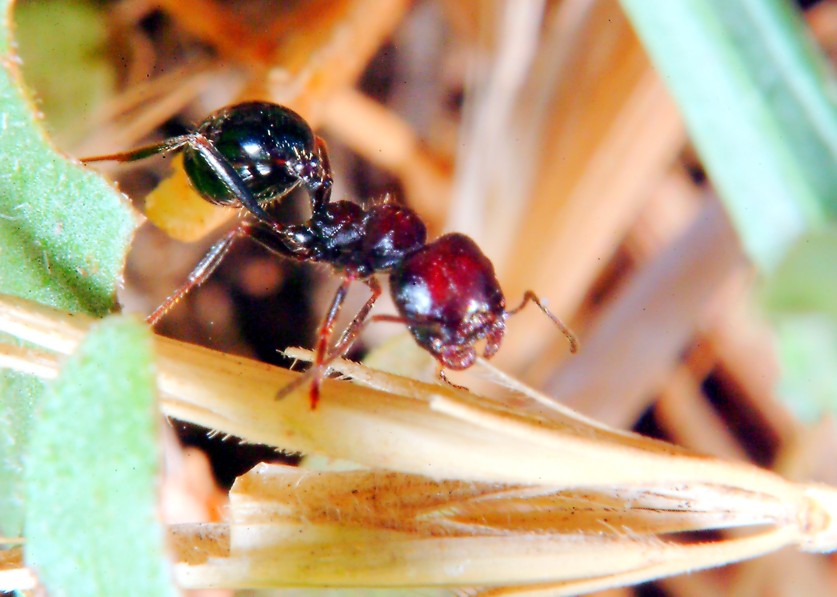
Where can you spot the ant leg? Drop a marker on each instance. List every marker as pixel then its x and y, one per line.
pixel 274 240
pixel 229 177
pixel 202 271
pixel 531 296
pixel 440 373
pixel 315 373
pixel 352 331
pixel 169 145
pixel 347 338
pixel 211 156
pixel 340 348
pixel 355 329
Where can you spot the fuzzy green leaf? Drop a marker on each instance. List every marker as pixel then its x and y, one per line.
pixel 72 73
pixel 64 234
pixel 91 471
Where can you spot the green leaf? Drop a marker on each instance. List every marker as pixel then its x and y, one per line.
pixel 91 472
pixel 18 396
pixel 808 350
pixel 72 73
pixel 799 299
pixel 756 97
pixel 64 234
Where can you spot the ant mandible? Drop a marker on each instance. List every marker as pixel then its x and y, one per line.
pixel 445 291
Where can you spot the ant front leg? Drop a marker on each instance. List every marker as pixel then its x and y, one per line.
pixel 208 264
pixel 347 338
pixel 440 373
pixel 315 373
pixel 360 321
pixel 167 146
pixel 531 296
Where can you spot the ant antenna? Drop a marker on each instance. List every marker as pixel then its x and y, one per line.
pixel 531 296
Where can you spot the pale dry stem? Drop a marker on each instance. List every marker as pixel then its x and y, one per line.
pixel 458 491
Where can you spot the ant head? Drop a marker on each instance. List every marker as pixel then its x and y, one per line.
pixel 450 298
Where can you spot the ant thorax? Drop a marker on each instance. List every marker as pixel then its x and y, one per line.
pixel 360 241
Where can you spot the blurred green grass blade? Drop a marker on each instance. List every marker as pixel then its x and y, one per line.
pixel 92 471
pixel 757 99
pixel 799 299
pixel 808 351
pixel 64 234
pixel 806 280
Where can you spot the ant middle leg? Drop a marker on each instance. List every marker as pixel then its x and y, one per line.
pixel 568 333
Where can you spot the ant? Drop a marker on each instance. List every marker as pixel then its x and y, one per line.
pixel 248 155
pixel 445 291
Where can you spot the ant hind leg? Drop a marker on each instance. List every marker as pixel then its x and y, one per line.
pixel 167 146
pixel 321 190
pixel 208 264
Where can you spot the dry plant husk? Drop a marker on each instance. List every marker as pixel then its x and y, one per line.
pixel 452 489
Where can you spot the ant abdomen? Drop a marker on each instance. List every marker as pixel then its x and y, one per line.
pixel 449 296
pixel 270 147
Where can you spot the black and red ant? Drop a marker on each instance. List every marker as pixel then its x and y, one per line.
pixel 445 291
